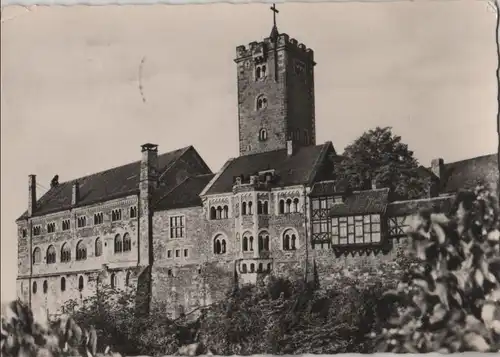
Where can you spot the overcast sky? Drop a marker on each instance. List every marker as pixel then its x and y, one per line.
pixel 71 104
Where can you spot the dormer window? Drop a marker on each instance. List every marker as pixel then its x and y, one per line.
pixel 263 135
pixel 260 71
pixel 261 102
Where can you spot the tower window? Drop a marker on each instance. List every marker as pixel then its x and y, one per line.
pixel 263 134
pixel 300 67
pixel 261 102
pixel 306 137
pixel 260 71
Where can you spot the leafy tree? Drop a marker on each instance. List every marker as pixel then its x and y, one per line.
pixel 451 301
pixel 381 156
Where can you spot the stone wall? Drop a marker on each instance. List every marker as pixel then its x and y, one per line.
pixel 73 269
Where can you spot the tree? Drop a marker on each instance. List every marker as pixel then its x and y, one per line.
pixel 451 301
pixel 380 156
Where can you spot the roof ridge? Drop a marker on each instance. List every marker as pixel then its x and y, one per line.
pixel 425 199
pixel 471 158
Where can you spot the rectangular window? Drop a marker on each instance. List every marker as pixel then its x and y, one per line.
pixel 169 253
pixel 356 230
pixel 185 253
pixel 66 225
pixel 37 230
pixel 177 227
pixel 177 253
pixel 24 233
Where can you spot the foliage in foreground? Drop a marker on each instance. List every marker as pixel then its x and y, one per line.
pixel 451 302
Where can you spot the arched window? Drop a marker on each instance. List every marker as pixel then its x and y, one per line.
pixel 63 284
pixel 263 135
pixel 266 243
pixel 243 268
pixel 250 243
pixel 118 244
pixel 295 205
pixel 45 286
pixel 226 212
pixel 219 244
pixel 127 279
pixel 98 247
pixel 65 253
pixel 219 212
pixel 268 266
pixel 37 256
pixel 245 244
pixel 288 205
pixel 244 208
pixel 81 251
pixel 113 281
pixel 35 288
pixel 127 243
pixel 266 207
pixel 261 102
pixel 260 268
pixel 80 283
pixel 213 213
pixel 263 241
pixel 250 208
pixel 282 207
pixel 252 268
pixel 289 240
pixel 306 137
pixel 51 255
pixel 259 207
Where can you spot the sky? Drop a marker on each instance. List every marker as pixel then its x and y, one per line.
pixel 71 102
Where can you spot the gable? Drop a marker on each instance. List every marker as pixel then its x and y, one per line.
pixel 297 169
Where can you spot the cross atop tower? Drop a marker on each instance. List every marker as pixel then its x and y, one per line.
pixel 275 11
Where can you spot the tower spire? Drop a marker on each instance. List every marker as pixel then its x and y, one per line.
pixel 274 31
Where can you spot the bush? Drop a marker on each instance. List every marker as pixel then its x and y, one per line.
pixel 451 300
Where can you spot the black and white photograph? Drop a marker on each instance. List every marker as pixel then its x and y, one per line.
pixel 252 178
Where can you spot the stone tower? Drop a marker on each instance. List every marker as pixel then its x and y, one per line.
pixel 275 94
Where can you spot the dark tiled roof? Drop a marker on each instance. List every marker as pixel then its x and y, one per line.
pixel 328 188
pixel 466 174
pixel 436 204
pixel 360 202
pixel 186 194
pixel 113 183
pixel 296 169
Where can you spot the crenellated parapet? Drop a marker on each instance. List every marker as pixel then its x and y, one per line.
pixel 258 50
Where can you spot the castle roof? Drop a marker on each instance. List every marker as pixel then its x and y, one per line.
pixel 466 174
pixel 437 204
pixel 113 183
pixel 186 194
pixel 362 202
pixel 297 169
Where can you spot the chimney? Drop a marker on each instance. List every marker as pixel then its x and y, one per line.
pixel 31 195
pixel 149 165
pixel 289 147
pixel 75 193
pixel 437 167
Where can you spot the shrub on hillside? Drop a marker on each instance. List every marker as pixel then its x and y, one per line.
pixel 451 301
pixel 283 317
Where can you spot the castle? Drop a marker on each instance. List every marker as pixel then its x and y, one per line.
pixel 181 235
